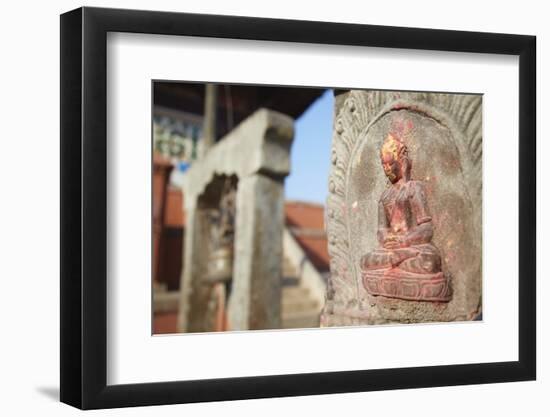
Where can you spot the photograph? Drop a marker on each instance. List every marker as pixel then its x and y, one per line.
pixel 275 209
pixel 265 207
pixel 278 207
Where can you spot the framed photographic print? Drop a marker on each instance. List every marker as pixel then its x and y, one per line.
pixel 257 208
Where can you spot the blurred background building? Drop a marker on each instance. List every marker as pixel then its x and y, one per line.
pixel 188 119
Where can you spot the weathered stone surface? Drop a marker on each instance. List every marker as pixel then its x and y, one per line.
pixel 194 295
pixel 256 156
pixel 444 143
pixel 256 294
pixel 406 264
pixel 260 144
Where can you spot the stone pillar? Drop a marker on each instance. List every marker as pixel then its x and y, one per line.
pixel 210 117
pixel 193 266
pixel 257 154
pixel 255 302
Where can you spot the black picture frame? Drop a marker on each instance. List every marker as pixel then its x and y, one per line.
pixel 84 207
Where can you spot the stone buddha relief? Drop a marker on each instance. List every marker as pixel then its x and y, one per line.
pixel 404 209
pixel 406 264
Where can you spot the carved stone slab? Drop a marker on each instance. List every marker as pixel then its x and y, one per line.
pixel 444 139
pixel 409 287
pixel 256 154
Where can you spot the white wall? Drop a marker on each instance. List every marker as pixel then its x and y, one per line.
pixel 29 265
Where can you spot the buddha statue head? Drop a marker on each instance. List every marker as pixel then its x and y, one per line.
pixel 395 159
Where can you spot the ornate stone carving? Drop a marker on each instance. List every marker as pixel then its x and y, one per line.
pixel 406 265
pixel 222 219
pixel 256 154
pixel 445 143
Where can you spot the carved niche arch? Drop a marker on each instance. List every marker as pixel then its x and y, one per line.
pixel 457 123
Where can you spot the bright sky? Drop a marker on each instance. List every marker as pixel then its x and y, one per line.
pixel 310 155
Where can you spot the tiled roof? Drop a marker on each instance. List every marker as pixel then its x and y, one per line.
pixel 307 223
pixel 305 215
pixel 315 248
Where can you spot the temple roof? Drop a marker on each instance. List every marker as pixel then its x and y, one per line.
pixel 306 221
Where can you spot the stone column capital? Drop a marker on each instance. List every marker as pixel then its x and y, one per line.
pixel 258 145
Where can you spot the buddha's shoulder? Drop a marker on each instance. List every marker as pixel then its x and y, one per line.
pixel 416 183
pixel 416 186
pixel 387 193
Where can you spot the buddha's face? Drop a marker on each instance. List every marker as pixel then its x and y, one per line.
pixel 389 156
pixel 392 168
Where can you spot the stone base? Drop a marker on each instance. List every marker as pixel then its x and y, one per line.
pixel 396 283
